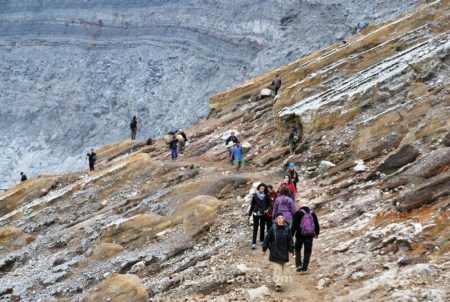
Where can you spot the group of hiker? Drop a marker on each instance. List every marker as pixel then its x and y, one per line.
pixel 276 213
pixel 177 143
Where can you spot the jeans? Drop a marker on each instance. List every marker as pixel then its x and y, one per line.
pixel 299 242
pixel 174 153
pixel 258 222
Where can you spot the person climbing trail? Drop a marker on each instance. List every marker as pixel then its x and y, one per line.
pixel 23 177
pixel 230 142
pixel 259 208
pixel 182 140
pixel 293 174
pixel 92 158
pixel 133 127
pixel 284 205
pixel 305 227
pixel 279 241
pixel 289 184
pixel 276 84
pixel 269 214
pixel 173 146
pixel 238 156
pixel 293 140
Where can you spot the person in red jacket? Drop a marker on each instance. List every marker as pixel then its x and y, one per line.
pixel 272 196
pixel 288 183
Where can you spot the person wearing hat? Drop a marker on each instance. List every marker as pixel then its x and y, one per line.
pixel 292 172
pixel 305 227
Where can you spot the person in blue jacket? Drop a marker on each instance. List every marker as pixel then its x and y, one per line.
pixel 238 156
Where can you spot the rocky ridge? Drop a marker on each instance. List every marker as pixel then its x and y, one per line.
pixel 374 163
pixel 70 70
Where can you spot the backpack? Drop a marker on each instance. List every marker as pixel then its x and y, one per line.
pixel 94 158
pixel 295 139
pixel 307 224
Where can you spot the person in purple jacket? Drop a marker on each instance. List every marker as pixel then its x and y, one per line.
pixel 284 204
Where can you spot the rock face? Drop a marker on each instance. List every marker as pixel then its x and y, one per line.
pixel 73 73
pixel 119 288
pixel 181 228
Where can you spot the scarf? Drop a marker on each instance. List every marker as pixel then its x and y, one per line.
pixel 260 195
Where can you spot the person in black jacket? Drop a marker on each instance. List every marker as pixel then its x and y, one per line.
pixel 92 157
pixel 133 127
pixel 234 139
pixel 276 83
pixel 279 240
pixel 259 207
pixel 173 146
pixel 304 239
pixel 23 177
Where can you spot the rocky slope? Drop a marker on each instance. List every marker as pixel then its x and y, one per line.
pixel 72 73
pixel 374 162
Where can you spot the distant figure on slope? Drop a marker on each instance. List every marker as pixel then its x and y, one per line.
pixel 182 139
pixel 238 156
pixel 259 207
pixel 284 205
pixel 173 146
pixel 279 241
pixel 293 140
pixel 92 158
pixel 229 142
pixel 305 227
pixel 23 177
pixel 276 83
pixel 293 175
pixel 133 127
pixel 269 214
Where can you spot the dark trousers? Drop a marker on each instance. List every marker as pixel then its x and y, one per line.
pixel 269 223
pixel 133 133
pixel 299 242
pixel 91 166
pixel 258 222
pixel 174 153
pixel 276 90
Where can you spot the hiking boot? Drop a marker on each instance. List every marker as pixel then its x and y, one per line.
pixel 298 269
pixel 304 272
pixel 254 246
pixel 278 288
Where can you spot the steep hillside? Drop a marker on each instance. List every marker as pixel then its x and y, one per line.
pixel 74 72
pixel 374 162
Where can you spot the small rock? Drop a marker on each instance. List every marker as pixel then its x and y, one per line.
pixel 243 268
pixel 258 293
pixel 266 92
pixel 325 165
pixel 360 167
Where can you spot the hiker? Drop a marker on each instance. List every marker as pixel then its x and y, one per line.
pixel 272 196
pixel 23 177
pixel 293 175
pixel 133 126
pixel 230 142
pixel 285 205
pixel 276 83
pixel 92 157
pixel 279 241
pixel 238 155
pixel 289 184
pixel 173 146
pixel 293 140
pixel 182 139
pixel 305 227
pixel 259 208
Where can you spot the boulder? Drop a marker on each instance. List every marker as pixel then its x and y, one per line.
pixel 119 288
pixel 404 156
pixel 325 165
pixel 360 167
pixel 12 238
pixel 106 250
pixel 258 293
pixel 426 193
pixel 265 92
